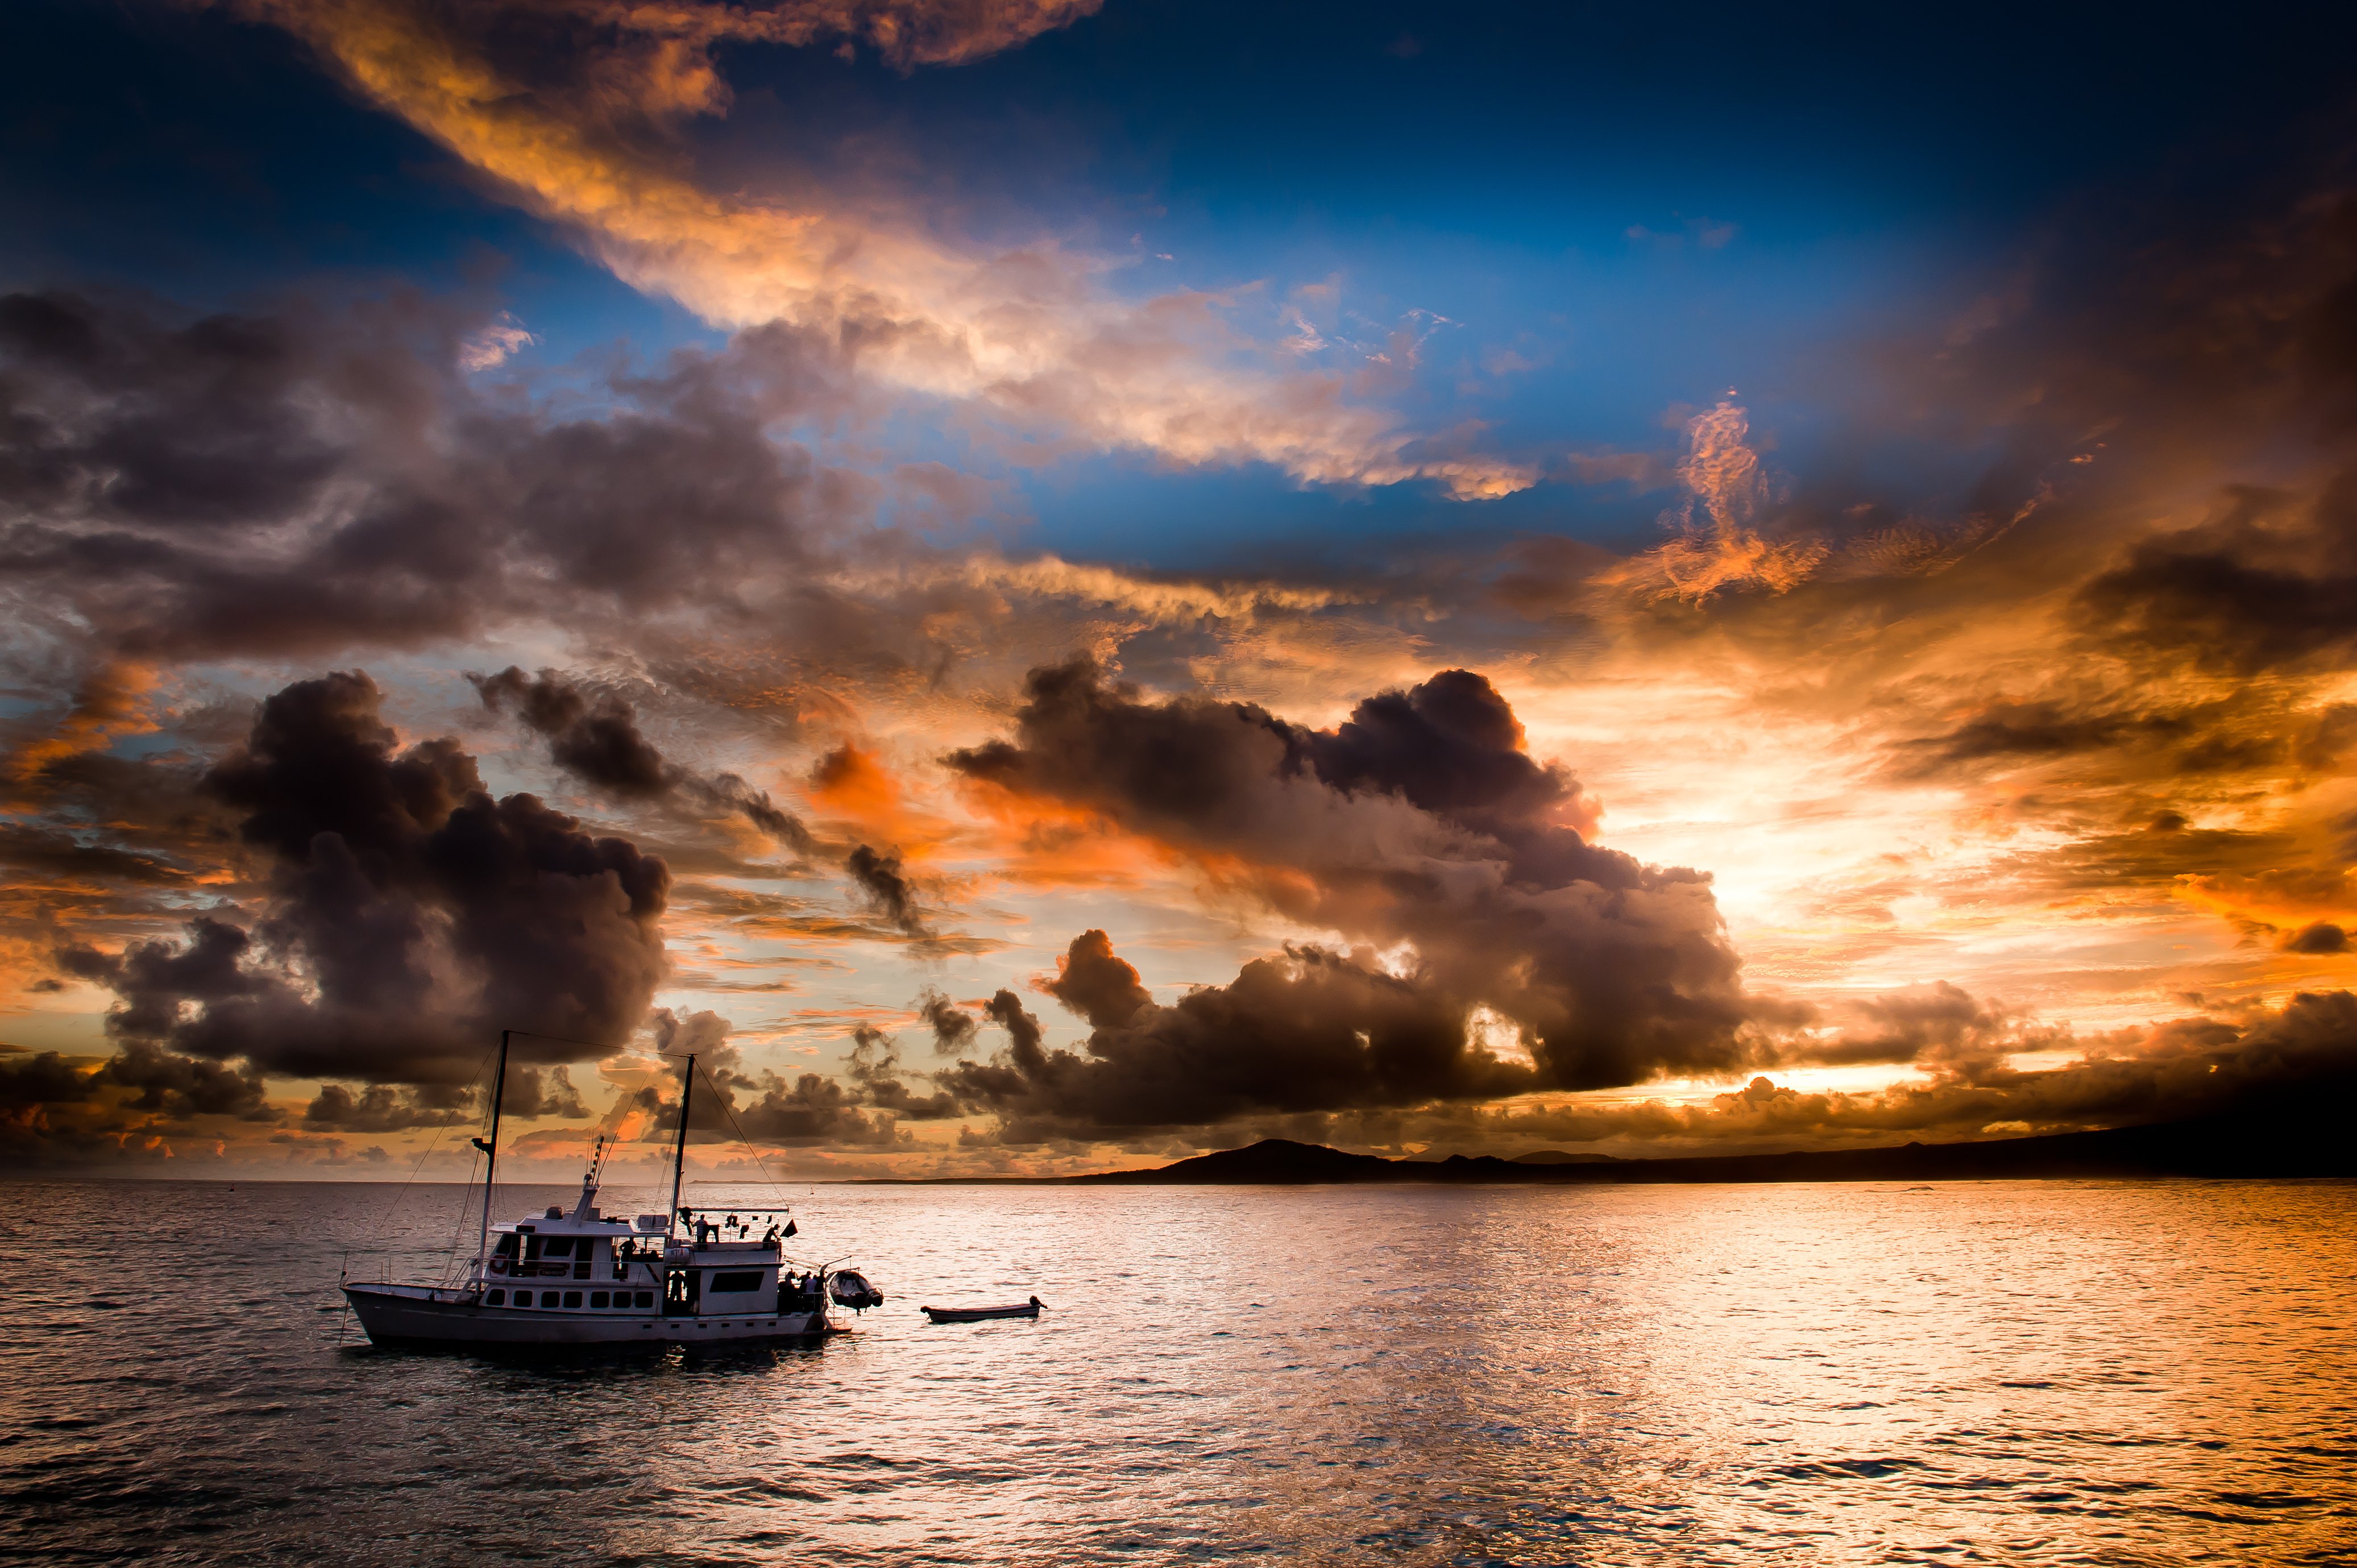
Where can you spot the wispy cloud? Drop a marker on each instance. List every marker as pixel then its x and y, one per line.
pixel 1033 336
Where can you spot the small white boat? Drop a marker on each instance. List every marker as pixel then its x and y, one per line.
pixel 977 1314
pixel 581 1278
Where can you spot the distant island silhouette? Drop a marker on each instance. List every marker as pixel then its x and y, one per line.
pixel 2218 1147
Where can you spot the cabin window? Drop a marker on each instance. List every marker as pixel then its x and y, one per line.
pixel 731 1284
pixel 497 1298
pixel 523 1298
pixel 506 1248
pixel 646 1298
pixel 598 1298
pixel 557 1247
pixel 572 1298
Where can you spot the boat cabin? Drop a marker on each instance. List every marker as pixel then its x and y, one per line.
pixel 583 1262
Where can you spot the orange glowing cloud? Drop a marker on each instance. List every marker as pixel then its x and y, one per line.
pixel 106 706
pixel 1029 334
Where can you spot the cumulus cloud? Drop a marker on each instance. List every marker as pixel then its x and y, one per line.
pixel 1098 983
pixel 1419 827
pixel 406 917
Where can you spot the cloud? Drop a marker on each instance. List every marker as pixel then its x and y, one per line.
pixel 57 1112
pixel 875 1070
pixel 887 890
pixel 953 1028
pixel 289 483
pixel 764 1108
pixel 381 1108
pixel 594 736
pixel 2282 1064
pixel 557 103
pixel 2318 937
pixel 1718 546
pixel 407 916
pixel 2270 583
pixel 1313 1030
pixel 490 345
pixel 1097 983
pixel 1419 827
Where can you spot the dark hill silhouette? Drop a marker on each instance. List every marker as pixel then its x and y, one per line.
pixel 2247 1145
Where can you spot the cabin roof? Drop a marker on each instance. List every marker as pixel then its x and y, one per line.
pixel 568 1226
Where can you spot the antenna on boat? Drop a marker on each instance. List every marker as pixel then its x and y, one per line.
pixel 491 1153
pixel 679 1155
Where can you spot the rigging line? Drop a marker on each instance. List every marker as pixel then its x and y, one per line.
pixel 458 1223
pixel 432 1143
pixel 759 1162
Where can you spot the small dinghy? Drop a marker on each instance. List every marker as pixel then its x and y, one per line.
pixel 851 1289
pixel 976 1314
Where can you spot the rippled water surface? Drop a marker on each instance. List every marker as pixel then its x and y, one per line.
pixel 2031 1372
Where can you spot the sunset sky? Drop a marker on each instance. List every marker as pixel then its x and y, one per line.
pixel 1056 583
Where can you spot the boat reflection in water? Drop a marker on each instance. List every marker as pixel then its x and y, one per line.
pixel 580 1278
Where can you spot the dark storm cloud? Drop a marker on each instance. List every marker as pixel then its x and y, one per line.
pixel 1311 1031
pixel 593 734
pixel 1097 983
pixel 1420 820
pixel 301 481
pixel 407 918
pixel 888 889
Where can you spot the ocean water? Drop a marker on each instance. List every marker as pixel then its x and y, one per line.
pixel 2016 1373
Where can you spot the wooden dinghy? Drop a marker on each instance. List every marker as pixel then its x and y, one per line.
pixel 976 1314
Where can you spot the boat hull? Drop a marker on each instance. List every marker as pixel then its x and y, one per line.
pixel 424 1315
pixel 977 1314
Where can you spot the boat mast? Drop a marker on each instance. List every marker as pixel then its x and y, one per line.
pixel 492 1154
pixel 679 1155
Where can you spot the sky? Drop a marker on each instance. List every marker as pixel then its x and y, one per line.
pixel 1051 584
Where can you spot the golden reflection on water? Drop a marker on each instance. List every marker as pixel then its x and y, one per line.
pixel 1970 1372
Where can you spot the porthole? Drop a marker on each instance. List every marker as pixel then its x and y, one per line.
pixel 497 1298
pixel 572 1298
pixel 598 1298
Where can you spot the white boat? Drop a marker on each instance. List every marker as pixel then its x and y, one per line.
pixel 581 1278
